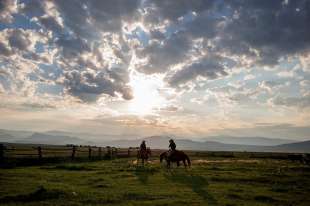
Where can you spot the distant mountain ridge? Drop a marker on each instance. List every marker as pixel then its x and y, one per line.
pixel 158 142
pixel 16 134
pixel 258 141
pixel 296 146
pixel 42 138
pixel 161 142
pixel 5 137
pixel 98 138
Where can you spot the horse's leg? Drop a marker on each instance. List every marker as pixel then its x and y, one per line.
pixel 184 162
pixel 178 163
pixel 168 164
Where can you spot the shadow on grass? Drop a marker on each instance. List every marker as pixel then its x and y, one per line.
pixel 73 167
pixel 13 162
pixel 263 198
pixel 142 197
pixel 197 183
pixel 39 194
pixel 144 172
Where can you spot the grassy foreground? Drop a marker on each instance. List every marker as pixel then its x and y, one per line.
pixel 120 182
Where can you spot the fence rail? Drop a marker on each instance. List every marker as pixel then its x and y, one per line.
pixel 29 154
pixel 72 152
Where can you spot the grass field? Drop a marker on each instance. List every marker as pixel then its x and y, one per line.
pixel 217 181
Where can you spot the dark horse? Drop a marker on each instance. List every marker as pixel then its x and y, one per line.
pixel 177 156
pixel 143 155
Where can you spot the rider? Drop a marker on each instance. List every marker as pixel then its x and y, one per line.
pixel 143 146
pixel 172 147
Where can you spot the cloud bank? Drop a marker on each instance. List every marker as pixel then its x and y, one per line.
pixel 224 54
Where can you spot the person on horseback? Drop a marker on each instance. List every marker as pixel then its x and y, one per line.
pixel 143 153
pixel 143 146
pixel 172 147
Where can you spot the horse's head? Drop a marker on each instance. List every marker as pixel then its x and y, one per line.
pixel 163 156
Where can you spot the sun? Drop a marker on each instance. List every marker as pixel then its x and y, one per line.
pixel 146 95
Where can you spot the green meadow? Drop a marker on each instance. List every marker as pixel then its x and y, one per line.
pixel 211 181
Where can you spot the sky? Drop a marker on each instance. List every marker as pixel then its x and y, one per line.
pixel 188 68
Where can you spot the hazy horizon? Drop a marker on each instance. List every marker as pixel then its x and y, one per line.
pixel 192 69
pixel 107 137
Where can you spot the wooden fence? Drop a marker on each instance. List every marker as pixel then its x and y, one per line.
pixel 71 152
pixel 29 154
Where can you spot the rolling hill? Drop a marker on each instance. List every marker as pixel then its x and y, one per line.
pixel 294 147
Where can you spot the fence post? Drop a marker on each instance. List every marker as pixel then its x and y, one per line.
pixel 40 153
pixel 1 153
pixel 99 152
pixel 73 152
pixel 107 151
pixel 115 153
pixel 89 152
pixel 111 152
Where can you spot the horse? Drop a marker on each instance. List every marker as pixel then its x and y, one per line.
pixel 176 156
pixel 143 155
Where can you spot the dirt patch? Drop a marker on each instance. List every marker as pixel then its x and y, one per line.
pixel 152 162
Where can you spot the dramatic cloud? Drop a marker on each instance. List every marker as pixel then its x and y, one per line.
pixel 19 39
pixel 270 86
pixel 88 18
pixel 301 102
pixel 210 67
pixel 7 9
pixel 162 55
pixel 88 86
pixel 239 60
pixel 71 48
pixel 262 32
pixel 4 50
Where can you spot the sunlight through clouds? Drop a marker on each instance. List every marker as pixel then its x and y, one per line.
pixel 146 96
pixel 200 65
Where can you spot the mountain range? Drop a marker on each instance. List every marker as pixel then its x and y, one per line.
pixel 161 142
pixel 214 143
pixel 261 141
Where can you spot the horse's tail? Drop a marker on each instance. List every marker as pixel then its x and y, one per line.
pixel 188 160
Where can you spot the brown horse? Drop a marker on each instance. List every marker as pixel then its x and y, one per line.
pixel 176 156
pixel 143 155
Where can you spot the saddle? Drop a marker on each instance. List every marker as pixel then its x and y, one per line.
pixel 171 152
